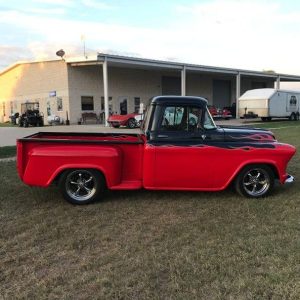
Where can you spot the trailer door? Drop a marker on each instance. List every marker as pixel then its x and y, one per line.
pixel 292 103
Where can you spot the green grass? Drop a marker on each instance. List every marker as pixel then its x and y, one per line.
pixel 150 245
pixel 278 124
pixel 7 124
pixel 8 151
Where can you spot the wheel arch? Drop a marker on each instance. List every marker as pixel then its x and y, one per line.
pixel 271 165
pixel 57 174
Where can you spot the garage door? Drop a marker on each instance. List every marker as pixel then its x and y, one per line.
pixel 221 93
pixel 171 85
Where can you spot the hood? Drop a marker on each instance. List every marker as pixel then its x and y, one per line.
pixel 247 134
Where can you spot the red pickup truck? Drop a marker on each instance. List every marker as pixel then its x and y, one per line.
pixel 179 148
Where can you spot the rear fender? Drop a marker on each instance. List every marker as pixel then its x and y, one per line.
pixel 46 162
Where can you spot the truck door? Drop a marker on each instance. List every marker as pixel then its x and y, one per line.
pixel 180 161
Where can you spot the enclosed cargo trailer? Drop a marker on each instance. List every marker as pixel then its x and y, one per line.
pixel 270 103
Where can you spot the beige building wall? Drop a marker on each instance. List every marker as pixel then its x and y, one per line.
pixel 122 83
pixel 126 83
pixel 33 82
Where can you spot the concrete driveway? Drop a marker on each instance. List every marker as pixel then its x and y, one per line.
pixel 9 135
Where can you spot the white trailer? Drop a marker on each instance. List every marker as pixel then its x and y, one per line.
pixel 270 103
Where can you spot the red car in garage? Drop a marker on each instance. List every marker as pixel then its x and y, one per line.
pixel 219 112
pixel 123 120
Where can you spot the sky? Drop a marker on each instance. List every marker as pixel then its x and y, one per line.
pixel 254 35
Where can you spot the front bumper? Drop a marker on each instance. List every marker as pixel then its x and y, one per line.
pixel 289 179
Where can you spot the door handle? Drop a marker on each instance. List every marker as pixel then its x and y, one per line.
pixel 162 136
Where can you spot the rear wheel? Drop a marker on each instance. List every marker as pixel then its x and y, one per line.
pixel 292 117
pixel 131 123
pixel 82 186
pixel 255 181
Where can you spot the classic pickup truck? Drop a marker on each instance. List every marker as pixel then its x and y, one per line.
pixel 179 148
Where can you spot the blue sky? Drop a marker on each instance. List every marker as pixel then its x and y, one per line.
pixel 257 35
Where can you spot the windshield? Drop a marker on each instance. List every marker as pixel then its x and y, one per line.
pixel 208 121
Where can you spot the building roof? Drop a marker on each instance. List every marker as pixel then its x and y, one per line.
pixel 118 60
pixel 136 62
pixel 18 63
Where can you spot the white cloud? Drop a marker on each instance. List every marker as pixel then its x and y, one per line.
pixel 97 5
pixel 66 3
pixel 45 11
pixel 240 34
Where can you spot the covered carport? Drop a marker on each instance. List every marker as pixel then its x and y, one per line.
pixel 221 86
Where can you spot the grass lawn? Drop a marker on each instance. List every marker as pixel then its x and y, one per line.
pixel 7 124
pixel 7 151
pixel 277 124
pixel 150 245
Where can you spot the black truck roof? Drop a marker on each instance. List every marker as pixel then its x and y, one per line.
pixel 177 100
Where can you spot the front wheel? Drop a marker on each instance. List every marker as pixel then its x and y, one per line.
pixel 82 186
pixel 255 181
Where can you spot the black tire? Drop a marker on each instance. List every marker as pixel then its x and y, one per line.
pixel 131 123
pixel 297 117
pixel 255 181
pixel 292 117
pixel 82 186
pixel 269 119
pixel 39 123
pixel 264 119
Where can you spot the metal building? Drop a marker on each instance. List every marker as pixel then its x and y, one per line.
pixel 106 84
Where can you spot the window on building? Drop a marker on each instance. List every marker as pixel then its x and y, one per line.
pixel 48 108
pixel 137 102
pixel 3 109
pixel 59 103
pixel 87 103
pixel 102 102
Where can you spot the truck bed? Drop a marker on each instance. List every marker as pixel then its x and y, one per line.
pixel 44 155
pixel 84 137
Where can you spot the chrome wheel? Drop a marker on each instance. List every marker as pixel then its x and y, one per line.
pixel 80 185
pixel 256 182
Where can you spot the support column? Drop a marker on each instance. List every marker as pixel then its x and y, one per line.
pixel 238 93
pixel 183 81
pixel 278 83
pixel 105 90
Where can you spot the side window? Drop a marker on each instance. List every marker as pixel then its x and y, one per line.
pixel 180 118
